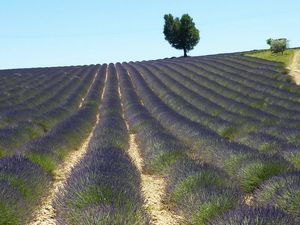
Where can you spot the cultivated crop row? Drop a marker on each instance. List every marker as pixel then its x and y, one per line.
pixel 26 177
pixel 229 83
pixel 199 190
pixel 220 133
pixel 105 187
pixel 240 128
pixel 25 90
pixel 208 145
pixel 33 121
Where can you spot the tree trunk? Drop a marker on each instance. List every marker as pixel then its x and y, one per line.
pixel 184 50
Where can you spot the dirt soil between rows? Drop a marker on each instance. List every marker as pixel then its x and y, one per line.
pixel 45 213
pixel 153 190
pixel 294 67
pixel 153 186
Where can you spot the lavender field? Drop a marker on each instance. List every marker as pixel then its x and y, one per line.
pixel 198 140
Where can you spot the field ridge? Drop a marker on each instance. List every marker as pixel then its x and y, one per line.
pixel 197 140
pixel 295 67
pixel 45 214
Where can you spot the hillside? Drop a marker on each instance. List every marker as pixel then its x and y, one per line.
pixel 197 140
pixel 290 60
pixel 285 58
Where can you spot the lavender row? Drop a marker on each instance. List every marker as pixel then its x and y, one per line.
pixel 270 139
pixel 277 88
pixel 232 100
pixel 170 88
pixel 25 79
pixel 10 78
pixel 241 62
pixel 26 177
pixel 273 67
pixel 213 109
pixel 254 65
pixel 282 192
pixel 229 85
pixel 22 83
pixel 245 164
pixel 159 149
pixel 34 125
pixel 31 91
pixel 37 95
pixel 105 187
pixel 45 102
pixel 22 184
pixel 243 131
pixel 51 148
pixel 214 96
pixel 200 191
pixel 15 134
pixel 26 91
pixel 281 90
pixel 282 132
pixel 254 61
pixel 187 103
pixel 164 154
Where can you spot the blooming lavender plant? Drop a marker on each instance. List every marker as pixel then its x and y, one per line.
pixel 254 216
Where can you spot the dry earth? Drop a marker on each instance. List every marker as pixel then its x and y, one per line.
pixel 153 190
pixel 153 187
pixel 45 213
pixel 295 67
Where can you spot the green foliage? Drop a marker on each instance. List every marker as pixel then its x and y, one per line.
pixel 284 58
pixel 229 132
pixel 269 41
pixel 104 196
pixel 290 202
pixel 278 45
pixel 8 214
pixel 252 174
pixel 208 210
pixel 294 158
pixel 194 182
pixel 96 195
pixel 34 131
pixel 2 152
pixel 181 33
pixel 20 185
pixel 270 148
pixel 259 103
pixel 289 79
pixel 43 160
pixel 231 164
pixel 163 162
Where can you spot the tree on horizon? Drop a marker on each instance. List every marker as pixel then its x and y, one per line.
pixel 181 33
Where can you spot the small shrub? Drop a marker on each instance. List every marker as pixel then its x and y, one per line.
pixel 251 174
pixel 281 191
pixel 229 132
pixel 254 216
pixel 279 45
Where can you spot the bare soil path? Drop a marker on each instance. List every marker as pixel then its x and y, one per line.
pixel 45 213
pixel 153 190
pixel 82 99
pixel 294 67
pixel 153 187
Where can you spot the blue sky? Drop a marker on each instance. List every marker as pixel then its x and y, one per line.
pixel 68 32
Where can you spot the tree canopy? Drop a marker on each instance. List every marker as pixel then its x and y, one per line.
pixel 277 45
pixel 181 33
